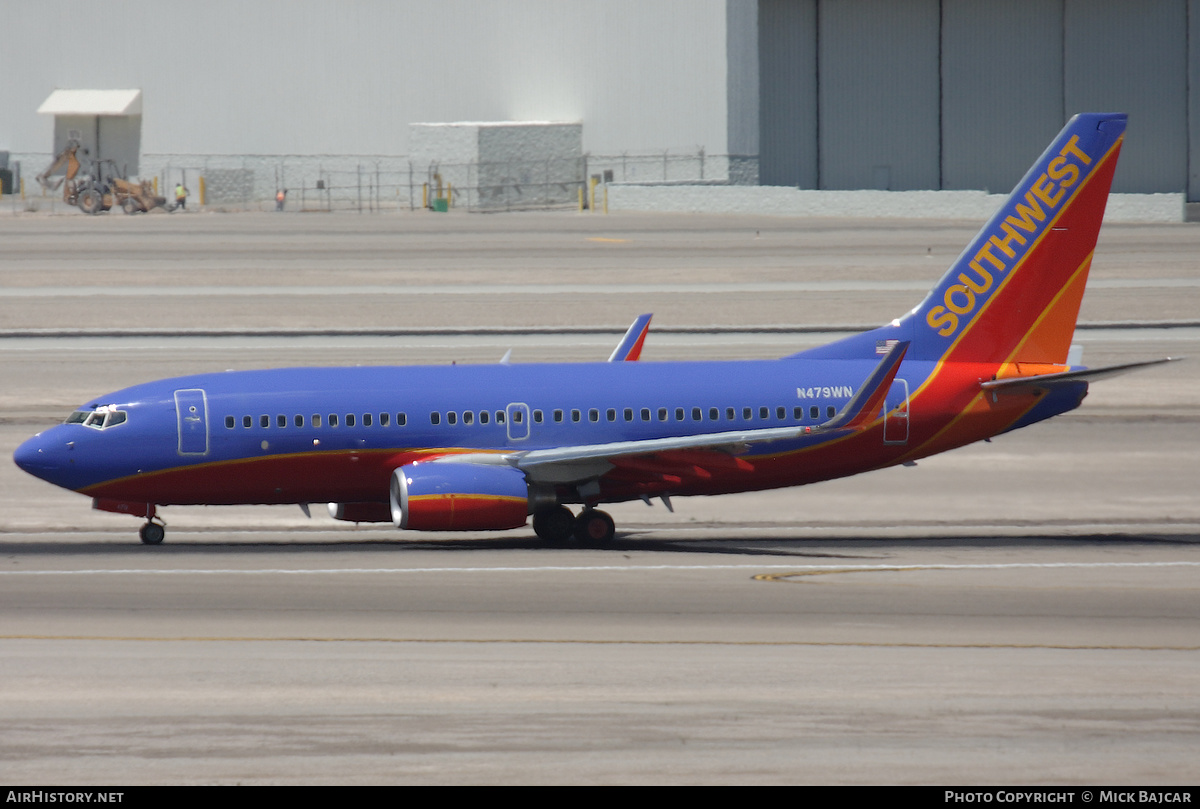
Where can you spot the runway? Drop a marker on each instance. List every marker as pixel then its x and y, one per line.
pixel 1024 611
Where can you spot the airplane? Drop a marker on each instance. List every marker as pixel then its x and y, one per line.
pixel 484 447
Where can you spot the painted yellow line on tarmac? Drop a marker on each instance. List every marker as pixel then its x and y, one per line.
pixel 825 570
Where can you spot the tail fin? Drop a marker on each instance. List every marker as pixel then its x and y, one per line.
pixel 1013 295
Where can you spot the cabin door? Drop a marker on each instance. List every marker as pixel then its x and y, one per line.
pixel 895 413
pixel 517 418
pixel 191 413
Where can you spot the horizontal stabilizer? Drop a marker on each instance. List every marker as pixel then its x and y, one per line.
pixel 1085 375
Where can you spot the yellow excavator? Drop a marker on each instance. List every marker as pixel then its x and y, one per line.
pixel 91 192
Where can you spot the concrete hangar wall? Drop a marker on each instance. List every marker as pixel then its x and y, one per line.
pixel 959 94
pixel 315 77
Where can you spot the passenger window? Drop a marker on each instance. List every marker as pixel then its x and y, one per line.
pixel 679 414
pixel 798 413
pixel 574 415
pixel 713 414
pixel 645 414
pixel 401 419
pixel 468 417
pixel 298 420
pixel 333 420
pixel 316 419
pixel 628 414
pixel 662 414
pixel 697 414
pixel 451 417
pixel 517 417
pixel 229 422
pixel 366 419
pixel 814 412
pixel 499 416
pixel 764 413
pixel 611 414
pixel 384 419
pixel 435 417
pixel 558 415
pixel 748 413
pixel 281 421
pixel 537 417
pixel 349 419
pixel 247 421
pixel 830 411
pixel 593 414
pixel 730 413
pixel 484 416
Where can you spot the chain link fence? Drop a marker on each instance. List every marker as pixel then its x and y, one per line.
pixel 375 184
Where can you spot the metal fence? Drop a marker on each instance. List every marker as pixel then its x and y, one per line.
pixel 375 184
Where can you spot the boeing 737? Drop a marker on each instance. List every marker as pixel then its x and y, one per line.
pixel 484 447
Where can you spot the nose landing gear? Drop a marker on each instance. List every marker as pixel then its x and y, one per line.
pixel 152 533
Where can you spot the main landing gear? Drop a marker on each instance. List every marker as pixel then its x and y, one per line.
pixel 558 526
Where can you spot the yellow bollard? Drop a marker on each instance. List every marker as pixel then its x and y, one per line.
pixel 606 199
pixel 425 195
pixel 592 191
pixel 156 186
pixel 449 196
pixel 201 190
pixel 581 199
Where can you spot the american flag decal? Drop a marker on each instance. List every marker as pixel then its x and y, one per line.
pixel 884 346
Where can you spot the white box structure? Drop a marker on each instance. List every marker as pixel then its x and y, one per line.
pixel 503 165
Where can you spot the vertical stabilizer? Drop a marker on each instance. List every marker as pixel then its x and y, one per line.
pixel 1013 295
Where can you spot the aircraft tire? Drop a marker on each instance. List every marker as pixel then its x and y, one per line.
pixel 554 525
pixel 594 527
pixel 152 533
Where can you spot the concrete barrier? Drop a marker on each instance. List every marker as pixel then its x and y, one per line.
pixel 780 201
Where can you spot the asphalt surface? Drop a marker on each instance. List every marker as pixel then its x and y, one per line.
pixel 1024 611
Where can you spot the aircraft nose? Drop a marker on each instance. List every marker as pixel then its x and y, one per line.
pixel 40 457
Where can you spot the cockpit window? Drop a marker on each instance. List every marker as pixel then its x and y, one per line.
pixel 101 418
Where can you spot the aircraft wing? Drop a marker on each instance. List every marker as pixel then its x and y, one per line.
pixel 860 412
pixel 1052 380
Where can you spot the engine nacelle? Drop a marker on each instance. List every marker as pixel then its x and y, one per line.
pixel 435 496
pixel 361 512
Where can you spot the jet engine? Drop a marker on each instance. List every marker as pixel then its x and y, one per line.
pixel 438 496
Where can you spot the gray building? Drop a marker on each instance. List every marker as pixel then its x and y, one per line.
pixel 957 94
pixel 826 94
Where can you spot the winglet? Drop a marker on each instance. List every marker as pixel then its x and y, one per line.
pixel 863 408
pixel 630 347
